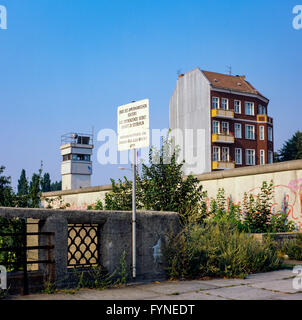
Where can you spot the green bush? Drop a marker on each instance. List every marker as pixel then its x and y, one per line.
pixel 218 250
pixel 293 247
pixel 258 216
pixel 221 213
pixel 255 214
pixel 10 259
pixel 160 187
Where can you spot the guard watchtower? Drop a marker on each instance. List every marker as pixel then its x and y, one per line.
pixel 76 167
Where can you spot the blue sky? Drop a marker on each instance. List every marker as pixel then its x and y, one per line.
pixel 67 64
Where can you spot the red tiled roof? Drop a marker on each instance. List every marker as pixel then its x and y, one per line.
pixel 229 82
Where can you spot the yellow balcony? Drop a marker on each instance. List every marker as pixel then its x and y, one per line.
pixel 222 165
pixel 221 113
pixel 262 117
pixel 222 138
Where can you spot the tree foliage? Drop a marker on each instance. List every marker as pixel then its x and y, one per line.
pixel 28 192
pixel 6 192
pixel 291 149
pixel 46 183
pixel 22 184
pixel 56 186
pixel 161 187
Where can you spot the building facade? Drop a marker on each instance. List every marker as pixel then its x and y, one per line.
pixel 232 115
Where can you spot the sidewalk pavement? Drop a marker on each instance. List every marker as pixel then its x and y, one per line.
pixel 275 285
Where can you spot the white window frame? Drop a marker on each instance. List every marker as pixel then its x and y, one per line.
pixel 261 132
pixel 270 155
pixel 269 133
pixel 218 126
pixel 239 106
pixel 227 149
pixel 218 153
pixel 250 153
pixel 217 102
pixel 261 109
pixel 226 103
pixel 240 155
pixel 249 112
pixel 247 132
pixel 262 156
pixel 238 130
pixel 228 127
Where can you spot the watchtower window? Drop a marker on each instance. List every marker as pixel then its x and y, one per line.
pixel 67 157
pixel 81 157
pixel 76 157
pixel 83 140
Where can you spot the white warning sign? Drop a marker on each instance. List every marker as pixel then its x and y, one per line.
pixel 133 125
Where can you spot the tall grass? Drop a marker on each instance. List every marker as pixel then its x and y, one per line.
pixel 218 250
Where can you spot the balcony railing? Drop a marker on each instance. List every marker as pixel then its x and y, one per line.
pixel 223 138
pixel 222 165
pixel 264 118
pixel 221 113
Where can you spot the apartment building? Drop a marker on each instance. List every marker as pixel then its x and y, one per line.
pixel 233 114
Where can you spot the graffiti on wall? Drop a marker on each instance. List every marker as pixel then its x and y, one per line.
pixel 287 198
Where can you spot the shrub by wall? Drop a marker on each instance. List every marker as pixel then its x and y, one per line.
pixel 218 250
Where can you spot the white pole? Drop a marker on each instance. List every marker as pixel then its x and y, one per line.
pixel 134 216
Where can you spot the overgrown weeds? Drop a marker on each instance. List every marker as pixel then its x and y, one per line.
pixel 218 250
pixel 293 247
pixel 98 278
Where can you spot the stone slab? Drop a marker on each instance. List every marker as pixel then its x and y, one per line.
pixel 243 293
pixel 284 286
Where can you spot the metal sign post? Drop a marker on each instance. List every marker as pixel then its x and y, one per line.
pixel 133 133
pixel 134 216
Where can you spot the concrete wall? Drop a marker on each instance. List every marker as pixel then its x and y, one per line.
pixel 78 199
pixel 189 109
pixel 287 178
pixel 115 237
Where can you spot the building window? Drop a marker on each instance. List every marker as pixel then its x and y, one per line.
pixel 249 132
pixel 215 103
pixel 250 157
pixel 238 130
pixel 249 108
pixel 261 109
pixel 270 133
pixel 270 157
pixel 237 106
pixel 81 157
pixel 225 127
pixel 238 155
pixel 225 154
pixel 216 154
pixel 261 132
pixel 224 104
pixel 67 157
pixel 262 157
pixel 215 126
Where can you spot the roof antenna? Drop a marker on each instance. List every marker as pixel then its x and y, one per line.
pixel 229 70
